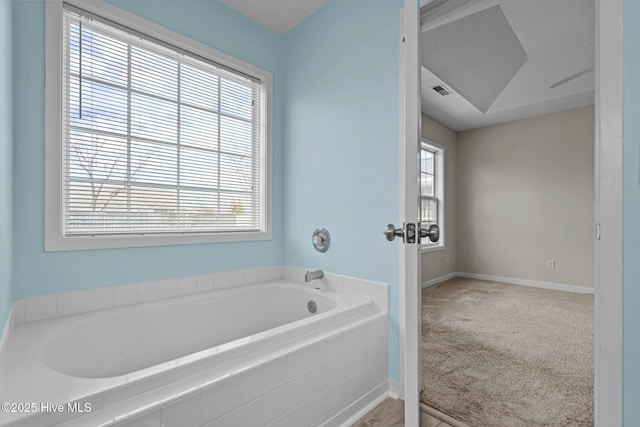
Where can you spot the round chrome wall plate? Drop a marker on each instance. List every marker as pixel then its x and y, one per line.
pixel 321 239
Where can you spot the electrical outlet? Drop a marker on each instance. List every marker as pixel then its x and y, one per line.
pixel 551 264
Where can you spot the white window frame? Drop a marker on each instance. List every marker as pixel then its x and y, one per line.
pixel 439 191
pixel 54 238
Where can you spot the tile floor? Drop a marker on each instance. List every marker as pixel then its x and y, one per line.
pixel 390 413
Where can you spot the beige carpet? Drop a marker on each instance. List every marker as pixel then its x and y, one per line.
pixel 498 355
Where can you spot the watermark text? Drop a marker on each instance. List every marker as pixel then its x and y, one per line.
pixel 48 407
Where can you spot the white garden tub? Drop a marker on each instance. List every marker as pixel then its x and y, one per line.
pixel 127 341
pixel 111 355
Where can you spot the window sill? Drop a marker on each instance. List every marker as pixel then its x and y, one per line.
pixel 431 248
pixel 56 243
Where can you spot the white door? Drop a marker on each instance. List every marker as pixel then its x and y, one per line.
pixel 409 292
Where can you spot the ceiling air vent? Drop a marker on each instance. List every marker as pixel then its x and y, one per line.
pixel 441 90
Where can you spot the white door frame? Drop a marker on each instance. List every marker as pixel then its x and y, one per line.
pixel 608 213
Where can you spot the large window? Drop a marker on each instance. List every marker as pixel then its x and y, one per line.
pixel 155 141
pixel 432 189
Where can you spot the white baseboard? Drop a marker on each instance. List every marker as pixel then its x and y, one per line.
pixel 532 283
pixel 387 389
pixel 439 280
pixel 394 390
pixel 360 407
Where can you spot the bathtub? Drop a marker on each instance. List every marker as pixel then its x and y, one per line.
pixel 131 361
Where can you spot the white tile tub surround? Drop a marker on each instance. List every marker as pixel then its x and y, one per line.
pixel 99 299
pixel 48 306
pixel 5 345
pixel 319 379
pixel 290 388
pixel 306 387
pixel 168 288
pixel 40 307
pixel 16 316
pixel 368 289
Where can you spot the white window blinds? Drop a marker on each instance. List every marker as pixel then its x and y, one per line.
pixel 428 186
pixel 156 140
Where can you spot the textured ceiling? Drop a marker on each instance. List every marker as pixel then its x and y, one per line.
pixel 277 15
pixel 557 37
pixel 477 56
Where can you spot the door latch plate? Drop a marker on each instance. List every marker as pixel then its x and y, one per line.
pixel 410 233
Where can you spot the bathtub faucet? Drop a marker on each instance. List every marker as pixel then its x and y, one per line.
pixel 313 275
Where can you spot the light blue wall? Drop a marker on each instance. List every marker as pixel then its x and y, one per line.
pixel 340 156
pixel 341 143
pixel 6 161
pixel 631 227
pixel 39 272
pixel 340 159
